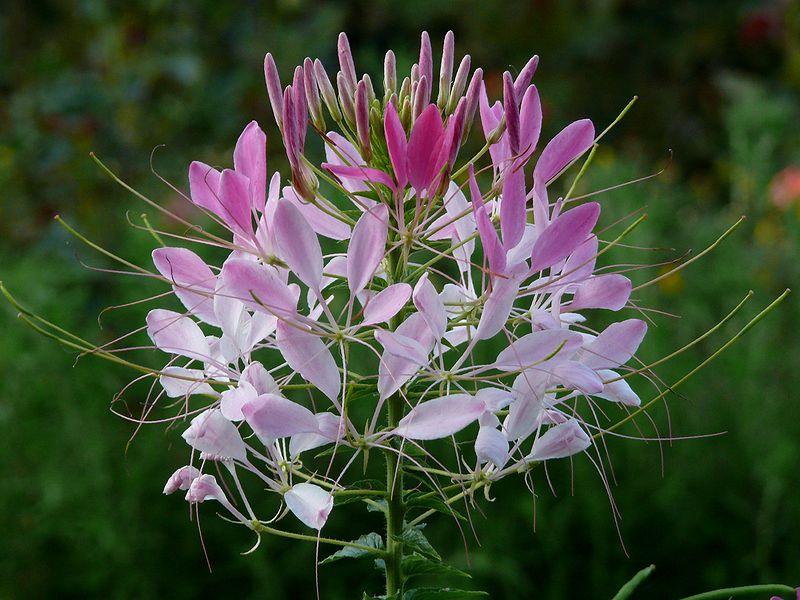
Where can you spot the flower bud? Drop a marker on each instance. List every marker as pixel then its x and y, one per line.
pixel 525 76
pixel 446 70
pixel 473 94
pixel 459 83
pixel 327 91
pixel 312 95
pixel 511 110
pixel 346 99
pixel 348 68
pixel 405 90
pixel 422 96
pixel 181 479
pixel 426 61
pixel 389 75
pixel 362 120
pixel 273 88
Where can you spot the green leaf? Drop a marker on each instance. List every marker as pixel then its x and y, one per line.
pixel 377 506
pixel 629 587
pixel 417 564
pixel 373 540
pixel 442 594
pixel 415 540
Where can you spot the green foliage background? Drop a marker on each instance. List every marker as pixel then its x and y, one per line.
pixel 81 514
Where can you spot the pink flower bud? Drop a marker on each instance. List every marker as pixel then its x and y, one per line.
pixel 181 479
pixel 389 74
pixel 326 91
pixel 446 70
pixel 459 83
pixel 273 88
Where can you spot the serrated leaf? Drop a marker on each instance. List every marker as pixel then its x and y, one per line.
pixel 417 564
pixel 442 594
pixel 414 540
pixel 373 540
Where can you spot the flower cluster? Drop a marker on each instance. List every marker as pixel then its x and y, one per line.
pixel 361 306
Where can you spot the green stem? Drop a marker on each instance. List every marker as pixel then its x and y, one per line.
pixel 395 511
pixel 747 590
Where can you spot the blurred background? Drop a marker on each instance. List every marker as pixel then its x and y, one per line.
pixel 81 512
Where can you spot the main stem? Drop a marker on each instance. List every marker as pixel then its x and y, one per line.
pixel 395 509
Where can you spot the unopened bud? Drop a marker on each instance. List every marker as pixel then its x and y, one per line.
pixel 511 109
pixel 473 95
pixel 326 91
pixel 422 96
pixel 459 83
pixel 405 90
pixel 273 81
pixel 426 61
pixel 312 95
pixel 389 75
pixel 346 99
pixel 446 69
pixel 525 76
pixel 362 119
pixel 348 68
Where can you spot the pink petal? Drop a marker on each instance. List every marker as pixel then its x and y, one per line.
pixel 604 291
pixel 572 141
pixel 491 445
pixel 321 222
pixel 310 504
pixel 617 391
pixel 492 248
pixel 331 428
pixel 560 441
pixel 424 146
pixel 396 144
pixel 394 371
pixel 386 303
pixel 307 354
pixel 568 231
pixel 525 410
pixel 191 278
pixel 177 334
pixel 179 382
pixel 273 417
pixel 537 347
pixel 512 207
pixel 360 174
pixel 430 306
pixel 258 286
pixel 204 187
pixel 256 375
pixel 215 436
pixel 367 247
pixel 497 307
pixel 234 198
pixel 401 346
pixel 232 400
pixel 530 118
pixel 298 244
pixel 440 417
pixel 250 159
pixel 615 345
pixel 580 264
pixel 574 375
